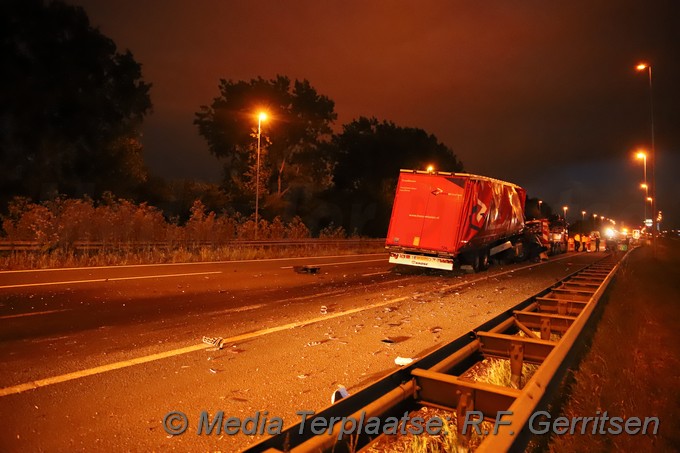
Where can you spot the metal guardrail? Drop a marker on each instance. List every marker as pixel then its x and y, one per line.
pixel 11 246
pixel 435 380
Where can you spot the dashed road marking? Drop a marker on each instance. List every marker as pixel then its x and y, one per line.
pixel 102 280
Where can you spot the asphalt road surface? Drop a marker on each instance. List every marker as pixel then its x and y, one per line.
pixel 94 359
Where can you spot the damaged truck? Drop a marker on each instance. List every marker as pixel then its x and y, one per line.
pixel 446 220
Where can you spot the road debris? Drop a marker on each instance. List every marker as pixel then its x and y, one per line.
pixel 307 269
pixel 217 342
pixel 339 394
pixel 401 361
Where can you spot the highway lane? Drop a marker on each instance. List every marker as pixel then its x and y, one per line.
pixel 283 351
pixel 56 324
pixel 50 302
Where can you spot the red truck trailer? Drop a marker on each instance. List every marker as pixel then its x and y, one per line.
pixel 441 219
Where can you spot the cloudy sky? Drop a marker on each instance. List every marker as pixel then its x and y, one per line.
pixel 540 93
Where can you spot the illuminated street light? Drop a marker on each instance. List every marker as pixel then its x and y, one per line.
pixel 564 208
pixel 430 168
pixel 261 117
pixel 648 67
pixel 643 155
pixel 583 216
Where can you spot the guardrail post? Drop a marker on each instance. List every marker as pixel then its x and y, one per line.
pixel 545 328
pixel 516 362
pixel 562 307
pixel 466 403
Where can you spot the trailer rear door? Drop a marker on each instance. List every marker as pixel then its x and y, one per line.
pixel 428 212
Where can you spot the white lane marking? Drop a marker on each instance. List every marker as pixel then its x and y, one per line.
pixel 234 310
pixel 125 266
pixel 31 385
pixel 34 313
pixel 112 279
pixel 175 352
pixel 375 273
pixel 339 264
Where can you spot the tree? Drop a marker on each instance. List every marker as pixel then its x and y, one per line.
pixel 294 155
pixel 370 155
pixel 71 106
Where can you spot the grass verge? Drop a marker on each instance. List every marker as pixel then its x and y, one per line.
pixel 60 258
pixel 632 367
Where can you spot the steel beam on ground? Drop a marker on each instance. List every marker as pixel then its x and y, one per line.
pixel 444 390
pixel 499 345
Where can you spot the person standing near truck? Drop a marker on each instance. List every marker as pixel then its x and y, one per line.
pixel 577 242
pixel 585 242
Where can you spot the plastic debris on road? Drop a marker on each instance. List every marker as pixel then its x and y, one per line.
pixel 401 361
pixel 339 394
pixel 218 342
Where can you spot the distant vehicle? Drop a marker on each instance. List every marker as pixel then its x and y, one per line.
pixel 444 220
pixel 559 237
pixel 553 236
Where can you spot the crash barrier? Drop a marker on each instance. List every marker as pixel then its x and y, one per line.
pixel 88 246
pixel 541 330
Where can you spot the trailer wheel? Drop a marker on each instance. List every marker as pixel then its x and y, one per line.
pixel 484 259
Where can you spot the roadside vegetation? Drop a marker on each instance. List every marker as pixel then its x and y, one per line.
pixel 631 369
pixel 79 232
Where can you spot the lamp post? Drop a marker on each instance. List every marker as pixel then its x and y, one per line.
pixel 540 202
pixel 261 117
pixel 564 208
pixel 642 155
pixel 648 67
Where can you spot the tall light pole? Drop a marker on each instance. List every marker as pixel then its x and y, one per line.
pixel 564 208
pixel 642 155
pixel 261 117
pixel 648 67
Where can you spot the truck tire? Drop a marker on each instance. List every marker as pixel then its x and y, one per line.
pixel 484 259
pixel 521 253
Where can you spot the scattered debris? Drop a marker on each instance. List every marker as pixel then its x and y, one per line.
pixel 213 370
pixel 307 269
pixel 218 342
pixel 324 310
pixel 436 329
pixel 401 361
pixel 397 339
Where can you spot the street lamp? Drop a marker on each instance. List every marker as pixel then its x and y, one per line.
pixel 583 216
pixel 564 208
pixel 261 117
pixel 642 155
pixel 648 67
pixel 540 202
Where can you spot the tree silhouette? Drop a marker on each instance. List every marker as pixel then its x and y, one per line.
pixel 71 106
pixel 370 154
pixel 294 139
